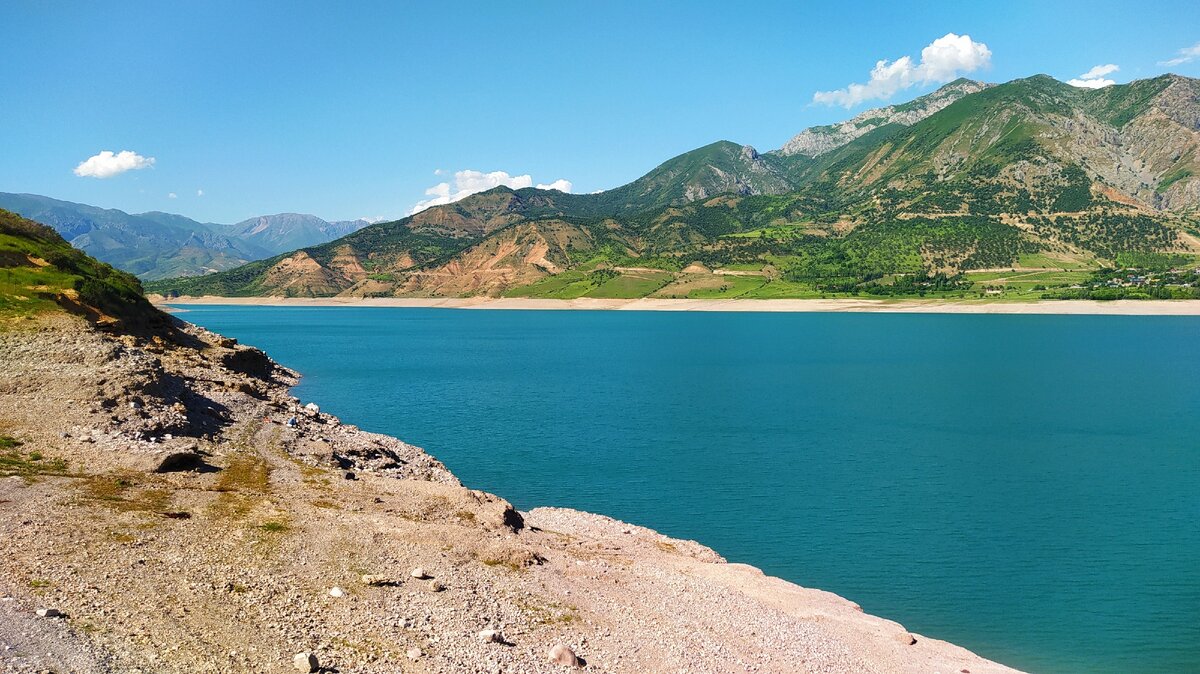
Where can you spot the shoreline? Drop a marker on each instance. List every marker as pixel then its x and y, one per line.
pixel 269 544
pixel 907 306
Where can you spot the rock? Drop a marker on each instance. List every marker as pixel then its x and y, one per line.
pixel 376 580
pixel 49 613
pixel 563 655
pixel 312 409
pixel 337 592
pixel 414 654
pixel 906 639
pixel 436 586
pixel 491 637
pixel 305 662
pixel 418 573
pixel 177 462
pixel 249 361
pixel 349 475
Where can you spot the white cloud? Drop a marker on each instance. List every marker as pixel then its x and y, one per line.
pixel 107 164
pixel 172 195
pixel 942 60
pixel 470 182
pixel 199 193
pixel 1095 78
pixel 1185 55
pixel 561 185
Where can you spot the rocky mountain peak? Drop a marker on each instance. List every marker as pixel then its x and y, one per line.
pixel 818 140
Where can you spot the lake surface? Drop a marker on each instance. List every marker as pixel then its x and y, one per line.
pixel 1024 486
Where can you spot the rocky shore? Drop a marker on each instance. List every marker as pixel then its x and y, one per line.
pixel 167 506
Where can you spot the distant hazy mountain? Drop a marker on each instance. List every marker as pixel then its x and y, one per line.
pixel 289 231
pixel 969 177
pixel 159 245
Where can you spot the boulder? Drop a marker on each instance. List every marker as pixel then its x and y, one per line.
pixel 562 654
pixel 177 462
pixel 305 662
pixel 491 636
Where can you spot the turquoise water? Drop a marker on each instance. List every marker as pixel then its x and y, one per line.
pixel 1024 486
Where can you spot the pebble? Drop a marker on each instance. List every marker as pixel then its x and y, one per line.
pixel 414 654
pixel 305 662
pixel 49 613
pixel 561 654
pixel 419 573
pixel 491 637
pixel 436 586
pixel 337 592
pixel 375 580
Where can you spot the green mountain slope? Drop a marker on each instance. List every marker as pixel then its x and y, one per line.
pixel 40 272
pixel 1031 174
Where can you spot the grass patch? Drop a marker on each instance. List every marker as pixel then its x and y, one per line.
pixel 274 527
pixel 246 476
pixel 729 287
pixel 631 285
pixel 28 465
pixel 122 493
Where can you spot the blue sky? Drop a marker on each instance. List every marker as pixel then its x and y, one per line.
pixel 347 109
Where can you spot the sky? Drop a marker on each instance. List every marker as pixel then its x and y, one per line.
pixel 226 110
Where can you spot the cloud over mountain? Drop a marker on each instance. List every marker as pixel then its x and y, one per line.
pixel 1095 78
pixel 468 182
pixel 942 60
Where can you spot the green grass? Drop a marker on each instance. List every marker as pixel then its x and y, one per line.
pixel 1045 261
pixel 630 286
pixel 1024 280
pixel 731 286
pixel 41 272
pixel 565 286
pixel 781 289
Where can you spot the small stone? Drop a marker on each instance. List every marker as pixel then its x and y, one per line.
pixel 349 475
pixel 305 662
pixel 312 409
pixel 436 586
pixel 491 637
pixel 563 655
pixel 419 573
pixel 376 580
pixel 414 654
pixel 337 592
pixel 906 639
pixel 49 613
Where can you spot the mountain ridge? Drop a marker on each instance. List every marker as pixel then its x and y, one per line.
pixel 156 244
pixel 969 177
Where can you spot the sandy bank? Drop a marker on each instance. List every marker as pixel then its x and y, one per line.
pixel 1120 307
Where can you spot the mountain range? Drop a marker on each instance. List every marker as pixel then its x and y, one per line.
pixel 158 245
pixel 1032 173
